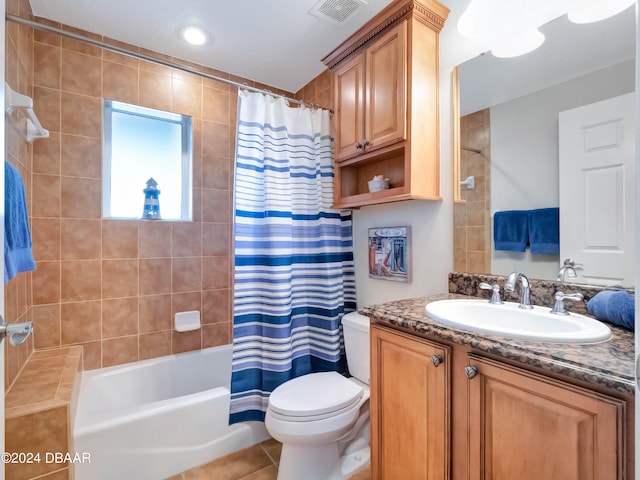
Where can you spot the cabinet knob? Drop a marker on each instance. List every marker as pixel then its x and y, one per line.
pixel 470 371
pixel 365 143
pixel 359 145
pixel 436 360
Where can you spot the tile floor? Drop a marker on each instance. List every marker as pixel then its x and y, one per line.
pixel 259 462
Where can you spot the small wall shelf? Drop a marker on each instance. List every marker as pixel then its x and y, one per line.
pixel 14 101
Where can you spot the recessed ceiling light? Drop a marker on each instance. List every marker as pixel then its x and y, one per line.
pixel 193 35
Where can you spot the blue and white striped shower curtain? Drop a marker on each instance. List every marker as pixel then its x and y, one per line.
pixel 294 272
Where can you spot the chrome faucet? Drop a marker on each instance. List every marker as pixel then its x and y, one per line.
pixel 568 269
pixel 559 298
pixel 495 293
pixel 525 289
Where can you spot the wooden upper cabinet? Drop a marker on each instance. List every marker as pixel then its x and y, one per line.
pixel 529 427
pixel 349 102
pixel 409 408
pixel 386 105
pixel 370 97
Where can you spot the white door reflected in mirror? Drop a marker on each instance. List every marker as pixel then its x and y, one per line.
pixel 597 190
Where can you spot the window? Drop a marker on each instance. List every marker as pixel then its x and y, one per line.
pixel 140 143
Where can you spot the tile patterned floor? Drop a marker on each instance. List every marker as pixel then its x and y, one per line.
pixel 259 462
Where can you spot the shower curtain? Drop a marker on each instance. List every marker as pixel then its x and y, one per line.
pixel 294 272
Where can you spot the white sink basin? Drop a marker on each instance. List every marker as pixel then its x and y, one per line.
pixel 508 320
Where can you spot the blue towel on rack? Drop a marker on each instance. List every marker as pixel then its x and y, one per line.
pixel 614 306
pixel 510 230
pixel 544 230
pixel 17 237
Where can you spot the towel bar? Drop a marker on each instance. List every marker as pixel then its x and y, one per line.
pixel 14 100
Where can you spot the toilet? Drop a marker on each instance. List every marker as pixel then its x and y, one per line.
pixel 322 419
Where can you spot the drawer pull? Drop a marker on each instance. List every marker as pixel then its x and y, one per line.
pixel 436 360
pixel 470 371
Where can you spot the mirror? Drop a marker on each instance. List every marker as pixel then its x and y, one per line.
pixel 508 131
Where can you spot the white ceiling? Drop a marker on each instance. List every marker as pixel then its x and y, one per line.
pixel 279 43
pixel 275 42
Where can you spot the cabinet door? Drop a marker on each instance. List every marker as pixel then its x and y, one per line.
pixel 386 62
pixel 528 427
pixel 349 104
pixel 409 408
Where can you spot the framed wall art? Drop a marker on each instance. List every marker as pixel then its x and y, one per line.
pixel 389 253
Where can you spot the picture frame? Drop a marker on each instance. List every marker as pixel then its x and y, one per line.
pixel 389 253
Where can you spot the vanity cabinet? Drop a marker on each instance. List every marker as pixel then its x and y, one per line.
pixel 386 106
pixel 409 407
pixel 474 418
pixel 526 426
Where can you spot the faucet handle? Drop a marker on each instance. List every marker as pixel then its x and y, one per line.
pixel 560 297
pixel 570 263
pixel 495 296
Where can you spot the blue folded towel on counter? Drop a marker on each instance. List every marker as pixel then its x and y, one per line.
pixel 17 236
pixel 614 306
pixel 544 230
pixel 511 230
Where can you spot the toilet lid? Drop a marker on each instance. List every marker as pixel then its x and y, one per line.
pixel 314 394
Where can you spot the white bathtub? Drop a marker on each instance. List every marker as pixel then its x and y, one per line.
pixel 152 419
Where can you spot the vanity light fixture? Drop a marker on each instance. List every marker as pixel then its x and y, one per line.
pixel 595 11
pixel 193 35
pixel 519 44
pixel 510 27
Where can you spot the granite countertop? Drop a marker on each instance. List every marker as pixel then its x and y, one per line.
pixel 609 364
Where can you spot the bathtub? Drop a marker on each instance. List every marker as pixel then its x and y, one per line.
pixel 152 419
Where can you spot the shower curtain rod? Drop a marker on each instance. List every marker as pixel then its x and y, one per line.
pixel 141 56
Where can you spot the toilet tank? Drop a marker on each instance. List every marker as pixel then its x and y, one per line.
pixel 355 328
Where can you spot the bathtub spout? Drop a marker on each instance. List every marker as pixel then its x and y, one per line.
pixel 17 332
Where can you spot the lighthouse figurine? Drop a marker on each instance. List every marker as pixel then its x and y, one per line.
pixel 151 203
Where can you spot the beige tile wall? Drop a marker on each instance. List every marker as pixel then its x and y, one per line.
pixel 113 286
pixel 19 75
pixel 39 412
pixel 318 91
pixel 472 220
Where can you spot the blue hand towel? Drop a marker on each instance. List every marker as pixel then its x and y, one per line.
pixel 510 230
pixel 17 237
pixel 544 230
pixel 614 306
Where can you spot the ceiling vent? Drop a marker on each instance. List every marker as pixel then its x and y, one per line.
pixel 336 11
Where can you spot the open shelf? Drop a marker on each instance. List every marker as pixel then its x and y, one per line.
pixel 352 177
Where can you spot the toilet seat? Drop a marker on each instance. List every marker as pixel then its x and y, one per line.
pixel 314 397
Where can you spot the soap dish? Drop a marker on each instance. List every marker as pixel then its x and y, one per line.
pixel 187 321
